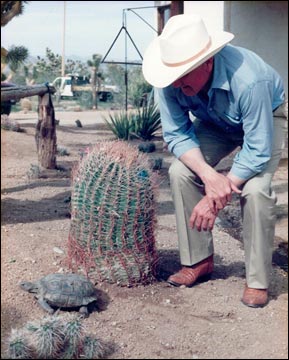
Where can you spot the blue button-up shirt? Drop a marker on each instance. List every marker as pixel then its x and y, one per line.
pixel 242 97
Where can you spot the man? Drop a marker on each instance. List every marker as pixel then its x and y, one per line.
pixel 237 100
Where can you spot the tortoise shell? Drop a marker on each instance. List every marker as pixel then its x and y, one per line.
pixel 66 290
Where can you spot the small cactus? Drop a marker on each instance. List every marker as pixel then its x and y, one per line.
pixel 156 164
pixel 55 338
pixel 78 123
pixel 147 147
pixel 62 151
pixel 74 338
pixel 33 172
pixel 19 346
pixel 93 348
pixel 47 337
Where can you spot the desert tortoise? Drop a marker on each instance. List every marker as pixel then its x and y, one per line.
pixel 62 291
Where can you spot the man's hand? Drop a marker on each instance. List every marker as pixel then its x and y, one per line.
pixel 202 217
pixel 219 189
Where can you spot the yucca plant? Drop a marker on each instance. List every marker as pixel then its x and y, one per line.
pixel 120 124
pixel 146 122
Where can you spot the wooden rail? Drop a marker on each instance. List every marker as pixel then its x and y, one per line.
pixel 19 92
pixel 45 135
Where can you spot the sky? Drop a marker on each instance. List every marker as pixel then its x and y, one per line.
pixel 90 28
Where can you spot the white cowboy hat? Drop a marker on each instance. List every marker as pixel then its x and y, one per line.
pixel 183 46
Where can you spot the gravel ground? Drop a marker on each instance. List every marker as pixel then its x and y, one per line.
pixel 156 321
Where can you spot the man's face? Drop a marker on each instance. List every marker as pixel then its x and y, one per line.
pixel 193 82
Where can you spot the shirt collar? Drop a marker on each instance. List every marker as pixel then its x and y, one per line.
pixel 220 78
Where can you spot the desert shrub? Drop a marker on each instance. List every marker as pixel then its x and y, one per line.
pixel 10 125
pixel 62 151
pixel 26 104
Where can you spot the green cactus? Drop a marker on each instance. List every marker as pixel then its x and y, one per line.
pixel 18 345
pixel 55 337
pixel 94 348
pixel 47 337
pixel 147 147
pixel 113 214
pixel 74 338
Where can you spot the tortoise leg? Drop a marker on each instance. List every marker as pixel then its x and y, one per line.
pixel 45 306
pixel 84 311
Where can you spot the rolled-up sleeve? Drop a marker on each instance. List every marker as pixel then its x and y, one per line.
pixel 178 129
pixel 256 108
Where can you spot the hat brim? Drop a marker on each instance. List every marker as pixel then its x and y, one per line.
pixel 160 75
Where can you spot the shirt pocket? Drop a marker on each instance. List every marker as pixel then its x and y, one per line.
pixel 231 117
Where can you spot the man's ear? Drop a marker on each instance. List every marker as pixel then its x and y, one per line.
pixel 209 64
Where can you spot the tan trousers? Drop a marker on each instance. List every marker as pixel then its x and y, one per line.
pixel 257 203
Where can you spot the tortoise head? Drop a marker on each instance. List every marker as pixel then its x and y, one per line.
pixel 29 286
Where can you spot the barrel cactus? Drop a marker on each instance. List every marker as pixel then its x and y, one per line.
pixel 113 214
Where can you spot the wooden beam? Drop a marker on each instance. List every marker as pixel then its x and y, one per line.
pixel 19 92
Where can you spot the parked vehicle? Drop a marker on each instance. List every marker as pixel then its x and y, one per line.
pixel 74 86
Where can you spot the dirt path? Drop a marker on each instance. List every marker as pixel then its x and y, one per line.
pixel 157 321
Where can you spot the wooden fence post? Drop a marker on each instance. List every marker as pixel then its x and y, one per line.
pixel 45 135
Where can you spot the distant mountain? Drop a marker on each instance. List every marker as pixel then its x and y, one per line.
pixel 33 59
pixel 78 58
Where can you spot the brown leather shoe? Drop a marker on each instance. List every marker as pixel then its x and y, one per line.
pixel 255 297
pixel 188 275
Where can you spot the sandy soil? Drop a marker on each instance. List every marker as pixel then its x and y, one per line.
pixel 156 321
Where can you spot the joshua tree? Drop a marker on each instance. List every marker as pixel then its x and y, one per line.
pixel 17 54
pixel 9 9
pixel 94 65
